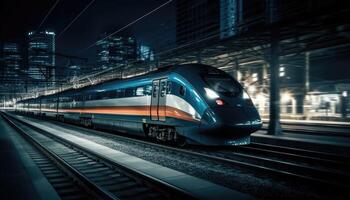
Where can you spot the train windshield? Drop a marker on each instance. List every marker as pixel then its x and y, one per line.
pixel 222 85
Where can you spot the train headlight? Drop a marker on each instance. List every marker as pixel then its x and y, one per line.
pixel 211 94
pixel 219 102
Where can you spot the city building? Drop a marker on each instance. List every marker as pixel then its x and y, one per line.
pixel 41 57
pixel 11 60
pixel 197 19
pixel 206 19
pixel 145 53
pixel 116 51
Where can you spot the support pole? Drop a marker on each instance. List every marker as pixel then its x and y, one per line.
pixel 199 57
pixel 274 122
pixel 237 73
pixel 307 68
pixel 305 109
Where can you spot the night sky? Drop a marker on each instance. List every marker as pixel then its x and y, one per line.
pixel 20 16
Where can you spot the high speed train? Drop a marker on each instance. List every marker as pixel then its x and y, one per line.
pixel 187 104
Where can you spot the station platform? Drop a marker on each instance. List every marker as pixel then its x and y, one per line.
pixel 19 176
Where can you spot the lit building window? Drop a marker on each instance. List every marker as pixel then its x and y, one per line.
pixel 255 77
pixel 282 72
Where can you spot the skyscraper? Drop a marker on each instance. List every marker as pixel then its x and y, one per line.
pixel 145 53
pixel 116 51
pixel 12 60
pixel 41 57
pixel 205 19
pixel 197 19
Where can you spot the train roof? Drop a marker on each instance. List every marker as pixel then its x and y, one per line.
pixel 181 69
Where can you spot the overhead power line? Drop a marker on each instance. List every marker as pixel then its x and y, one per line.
pixel 48 13
pixel 76 17
pixel 129 24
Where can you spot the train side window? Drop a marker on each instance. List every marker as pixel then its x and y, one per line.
pixel 163 89
pixel 182 90
pixel 140 91
pixel 121 93
pixel 129 92
pixel 112 94
pixel 148 90
pixel 155 89
pixel 104 95
pixel 169 88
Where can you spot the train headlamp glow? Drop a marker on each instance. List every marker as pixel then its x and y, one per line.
pixel 211 94
pixel 245 95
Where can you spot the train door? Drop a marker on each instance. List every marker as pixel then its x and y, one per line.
pixel 158 100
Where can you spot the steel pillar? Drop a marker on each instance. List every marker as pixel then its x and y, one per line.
pixel 274 122
pixel 307 68
pixel 199 58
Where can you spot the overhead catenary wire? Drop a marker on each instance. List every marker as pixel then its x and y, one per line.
pixel 75 18
pixel 167 50
pixel 212 35
pixel 48 13
pixel 129 24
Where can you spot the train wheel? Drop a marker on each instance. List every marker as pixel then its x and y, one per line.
pixel 180 141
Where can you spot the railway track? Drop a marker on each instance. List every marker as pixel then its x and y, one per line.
pixel 315 170
pixel 97 178
pixel 304 166
pixel 310 157
pixel 322 169
pixel 66 185
pixel 314 129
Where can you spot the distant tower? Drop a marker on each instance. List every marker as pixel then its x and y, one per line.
pixel 197 19
pixel 116 51
pixel 12 60
pixel 41 57
pixel 145 53
pixel 205 19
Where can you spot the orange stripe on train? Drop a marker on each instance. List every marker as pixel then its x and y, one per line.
pixel 134 110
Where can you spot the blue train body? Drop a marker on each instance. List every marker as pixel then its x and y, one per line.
pixel 193 103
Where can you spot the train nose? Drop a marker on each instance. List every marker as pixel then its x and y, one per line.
pixel 236 114
pixel 240 120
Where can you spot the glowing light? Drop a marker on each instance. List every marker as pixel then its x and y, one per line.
pixel 255 77
pixel 49 33
pixel 219 102
pixel 286 97
pixel 211 94
pixel 239 75
pixel 282 71
pixel 345 93
pixel 252 89
pixel 245 95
